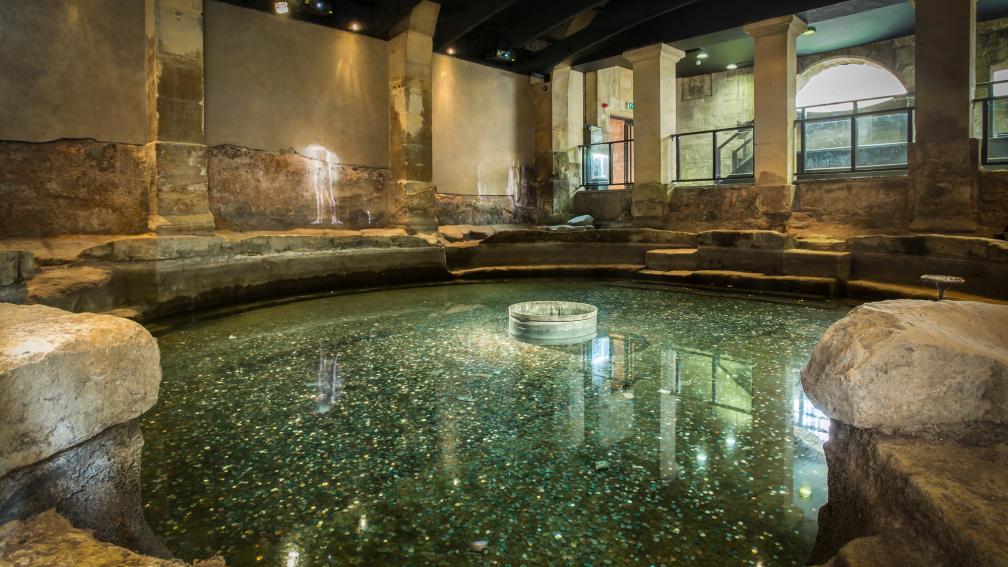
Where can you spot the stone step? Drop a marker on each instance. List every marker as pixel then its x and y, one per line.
pixel 816 263
pixel 549 270
pixel 752 281
pixel 671 259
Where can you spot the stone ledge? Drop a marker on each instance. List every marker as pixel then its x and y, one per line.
pixel 795 285
pixel 605 235
pixel 547 270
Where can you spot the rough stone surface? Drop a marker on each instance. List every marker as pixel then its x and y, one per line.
pixel 750 239
pixel 922 367
pixel 476 209
pixel 49 540
pixel 16 267
pixel 73 187
pixel 605 205
pixel 851 206
pixel 614 235
pixel 993 201
pixel 65 378
pixel 258 190
pixel 95 484
pixel 929 502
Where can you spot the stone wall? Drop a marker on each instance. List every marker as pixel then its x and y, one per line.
pixel 258 190
pixel 481 128
pixel 476 209
pixel 73 187
pixel 993 201
pixel 851 206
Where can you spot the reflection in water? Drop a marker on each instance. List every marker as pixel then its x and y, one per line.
pixel 328 384
pixel 652 443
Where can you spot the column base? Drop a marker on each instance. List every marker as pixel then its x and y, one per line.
pixel 176 225
pixel 418 206
pixel 943 185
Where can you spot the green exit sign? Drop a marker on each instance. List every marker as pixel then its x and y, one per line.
pixel 629 105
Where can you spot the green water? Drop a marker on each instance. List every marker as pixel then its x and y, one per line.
pixel 405 427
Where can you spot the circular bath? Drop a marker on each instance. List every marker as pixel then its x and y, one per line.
pixel 552 322
pixel 405 426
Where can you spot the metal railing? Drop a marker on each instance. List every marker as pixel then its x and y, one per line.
pixel 871 134
pixel 993 122
pixel 607 164
pixel 719 155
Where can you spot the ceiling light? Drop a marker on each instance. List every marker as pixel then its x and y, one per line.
pixel 451 51
pixel 355 26
pixel 731 66
pixel 281 7
pixel 698 62
pixel 810 31
pixel 702 54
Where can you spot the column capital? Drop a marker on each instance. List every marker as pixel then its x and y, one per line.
pixel 792 25
pixel 654 51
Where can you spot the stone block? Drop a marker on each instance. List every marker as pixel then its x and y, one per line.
pixel 750 239
pixel 673 259
pixel 65 378
pixel 607 206
pixel 799 262
pixel 649 202
pixel 758 260
pixel 146 248
pixel 922 367
pixel 943 182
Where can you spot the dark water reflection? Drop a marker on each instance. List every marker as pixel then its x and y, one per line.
pixel 407 427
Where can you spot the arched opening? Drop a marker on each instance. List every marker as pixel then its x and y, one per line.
pixel 844 79
pixel 854 115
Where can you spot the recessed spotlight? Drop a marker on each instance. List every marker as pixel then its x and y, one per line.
pixel 281 7
pixel 451 51
pixel 699 62
pixel 702 54
pixel 810 31
pixel 731 66
pixel 355 26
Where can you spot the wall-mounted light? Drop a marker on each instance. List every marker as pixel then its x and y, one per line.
pixel 810 31
pixel 281 7
pixel 450 51
pixel 355 26
pixel 731 66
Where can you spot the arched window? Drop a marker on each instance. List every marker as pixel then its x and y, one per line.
pixel 836 134
pixel 845 79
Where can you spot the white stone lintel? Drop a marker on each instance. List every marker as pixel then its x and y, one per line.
pixel 654 51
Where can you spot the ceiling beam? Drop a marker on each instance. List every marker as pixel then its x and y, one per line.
pixel 697 19
pixel 452 26
pixel 607 25
pixel 542 17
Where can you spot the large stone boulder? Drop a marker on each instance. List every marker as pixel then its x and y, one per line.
pixel 65 378
pixel 920 367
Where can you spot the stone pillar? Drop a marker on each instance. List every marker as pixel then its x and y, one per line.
pixel 559 130
pixel 774 89
pixel 176 145
pixel 944 160
pixel 655 96
pixel 410 144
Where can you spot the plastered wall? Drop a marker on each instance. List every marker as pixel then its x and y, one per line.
pixel 482 128
pixel 274 83
pixel 73 69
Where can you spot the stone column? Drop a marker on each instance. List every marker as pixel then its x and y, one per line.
pixel 944 160
pixel 176 145
pixel 559 130
pixel 410 144
pixel 774 88
pixel 655 96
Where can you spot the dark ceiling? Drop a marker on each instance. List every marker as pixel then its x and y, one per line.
pixel 540 34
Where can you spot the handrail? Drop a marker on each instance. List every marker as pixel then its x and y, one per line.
pixel 905 96
pixel 716 153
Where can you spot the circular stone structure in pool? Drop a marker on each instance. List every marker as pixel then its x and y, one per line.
pixel 406 427
pixel 553 322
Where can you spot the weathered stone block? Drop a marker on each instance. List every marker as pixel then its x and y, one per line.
pixel 65 378
pixel 816 263
pixel 673 259
pixel 475 209
pixel 923 367
pixel 649 202
pixel 751 239
pixel 943 181
pixel 72 187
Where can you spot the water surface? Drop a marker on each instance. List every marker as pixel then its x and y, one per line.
pixel 406 427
